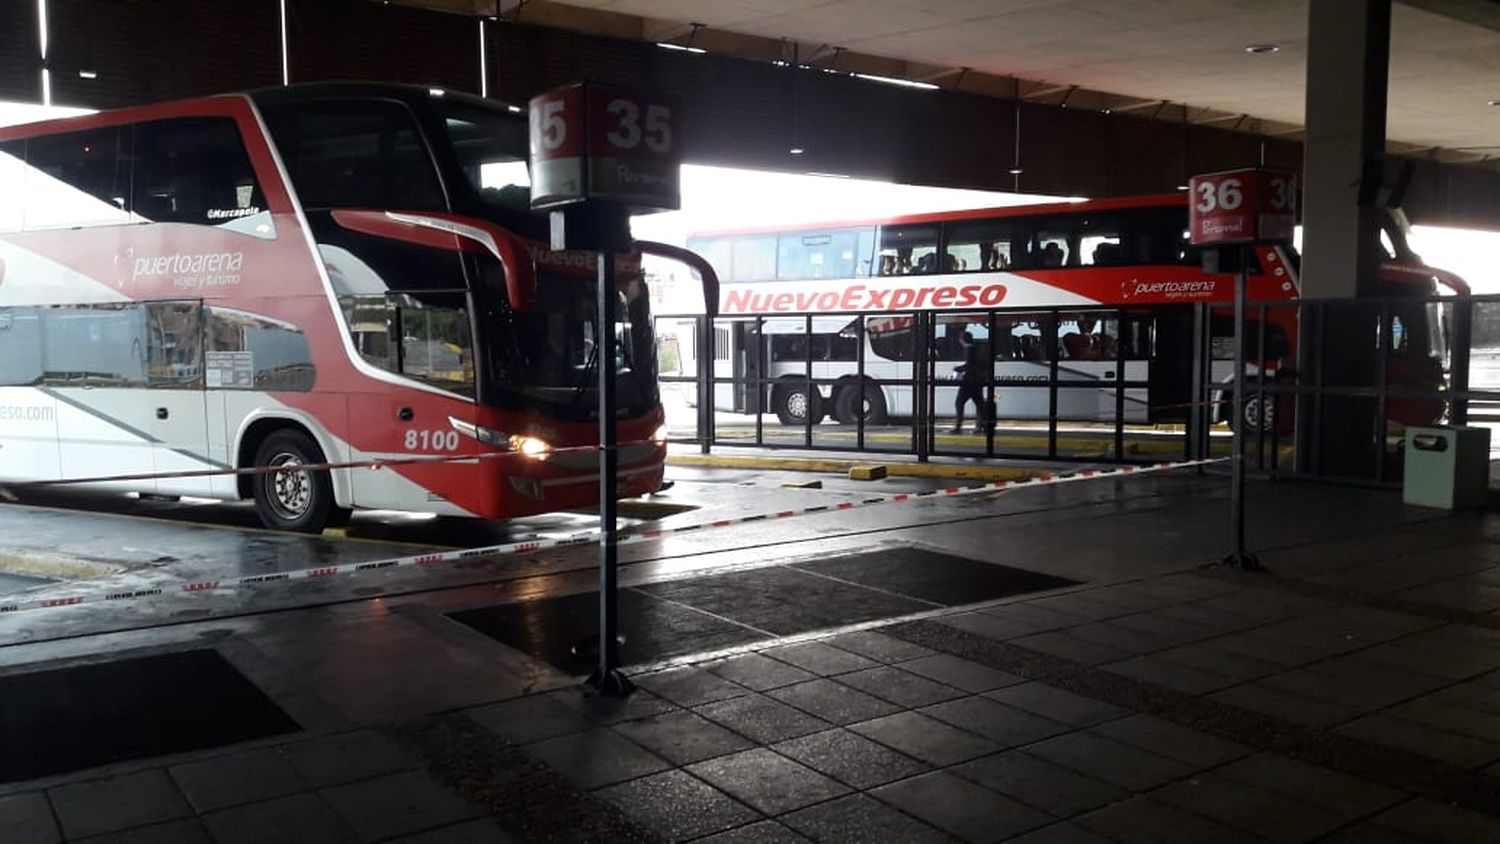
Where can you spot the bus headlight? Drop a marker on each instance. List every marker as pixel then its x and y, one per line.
pixel 488 436
pixel 536 449
pixel 659 436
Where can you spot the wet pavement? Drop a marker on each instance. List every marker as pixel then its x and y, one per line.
pixel 17 582
pixel 1349 694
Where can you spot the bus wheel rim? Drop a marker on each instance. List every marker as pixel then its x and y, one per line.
pixel 291 491
pixel 796 404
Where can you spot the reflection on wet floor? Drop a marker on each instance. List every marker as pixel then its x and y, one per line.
pixel 699 614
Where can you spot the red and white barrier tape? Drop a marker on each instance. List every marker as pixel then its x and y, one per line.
pixel 589 537
pixel 310 467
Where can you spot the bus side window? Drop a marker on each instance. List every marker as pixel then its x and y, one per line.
pixel 754 258
pixel 980 245
pixel 913 248
pixel 193 170
pixel 21 346
pixel 358 154
pixel 94 345
pixel 174 351
pixel 248 351
pixel 77 179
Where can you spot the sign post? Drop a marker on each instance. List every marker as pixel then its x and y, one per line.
pixel 1234 210
pixel 598 155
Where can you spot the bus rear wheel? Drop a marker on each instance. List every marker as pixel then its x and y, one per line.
pixel 1255 415
pixel 858 401
pixel 794 403
pixel 296 499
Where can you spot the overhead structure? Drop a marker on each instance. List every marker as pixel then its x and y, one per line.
pixel 1068 98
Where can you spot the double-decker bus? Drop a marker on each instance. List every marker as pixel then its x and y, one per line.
pixel 333 273
pixel 1101 275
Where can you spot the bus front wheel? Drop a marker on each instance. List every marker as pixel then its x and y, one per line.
pixel 294 499
pixel 794 403
pixel 858 401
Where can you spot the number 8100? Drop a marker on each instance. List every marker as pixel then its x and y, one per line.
pixel 431 440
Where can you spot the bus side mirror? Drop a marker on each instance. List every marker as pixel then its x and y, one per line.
pixel 695 261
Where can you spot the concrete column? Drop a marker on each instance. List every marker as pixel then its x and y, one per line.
pixel 1348 63
pixel 1348 58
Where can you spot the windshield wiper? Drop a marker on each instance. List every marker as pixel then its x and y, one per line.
pixel 581 388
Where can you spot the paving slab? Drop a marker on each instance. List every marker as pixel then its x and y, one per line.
pixel 597 757
pixel 297 817
pixel 833 702
pixel 960 807
pixel 679 806
pixel 238 778
pixel 1038 783
pixel 768 781
pixel 850 758
pixel 26 818
pixel 899 686
pixel 925 738
pixel 683 737
pixel 95 807
pixel 861 818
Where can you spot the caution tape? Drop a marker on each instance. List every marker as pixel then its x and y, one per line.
pixel 373 464
pixel 588 537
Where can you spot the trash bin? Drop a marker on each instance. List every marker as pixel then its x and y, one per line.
pixel 1447 467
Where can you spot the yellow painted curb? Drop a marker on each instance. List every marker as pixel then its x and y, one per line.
pixel 867 472
pixel 50 565
pixel 842 467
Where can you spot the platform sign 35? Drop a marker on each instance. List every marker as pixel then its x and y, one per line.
pixel 1242 206
pixel 598 143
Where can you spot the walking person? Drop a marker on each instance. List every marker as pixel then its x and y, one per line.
pixel 974 374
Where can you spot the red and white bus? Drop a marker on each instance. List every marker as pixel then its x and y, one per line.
pixel 1069 261
pixel 324 273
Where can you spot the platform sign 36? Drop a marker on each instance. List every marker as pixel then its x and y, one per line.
pixel 1242 206
pixel 597 143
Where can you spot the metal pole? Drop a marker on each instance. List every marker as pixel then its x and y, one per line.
pixel 607 678
pixel 1238 556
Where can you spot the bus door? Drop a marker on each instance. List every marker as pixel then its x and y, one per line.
pixel 175 395
pixel 745 356
pixel 1171 372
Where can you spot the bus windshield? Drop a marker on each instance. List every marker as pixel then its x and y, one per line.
pixel 545 358
pixel 490 147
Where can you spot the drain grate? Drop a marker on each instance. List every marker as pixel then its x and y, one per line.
pixel 68 719
pixel 681 617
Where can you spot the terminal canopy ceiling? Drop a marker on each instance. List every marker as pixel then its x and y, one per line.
pixel 1445 61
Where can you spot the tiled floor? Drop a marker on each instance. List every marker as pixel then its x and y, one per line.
pixel 1350 694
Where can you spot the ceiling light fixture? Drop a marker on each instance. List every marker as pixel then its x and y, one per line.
pixel 87 74
pixel 681 48
pixel 1016 171
pixel 796 150
pixel 1263 49
pixel 891 80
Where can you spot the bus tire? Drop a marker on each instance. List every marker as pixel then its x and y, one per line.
pixel 856 400
pixel 298 501
pixel 1252 417
pixel 793 403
